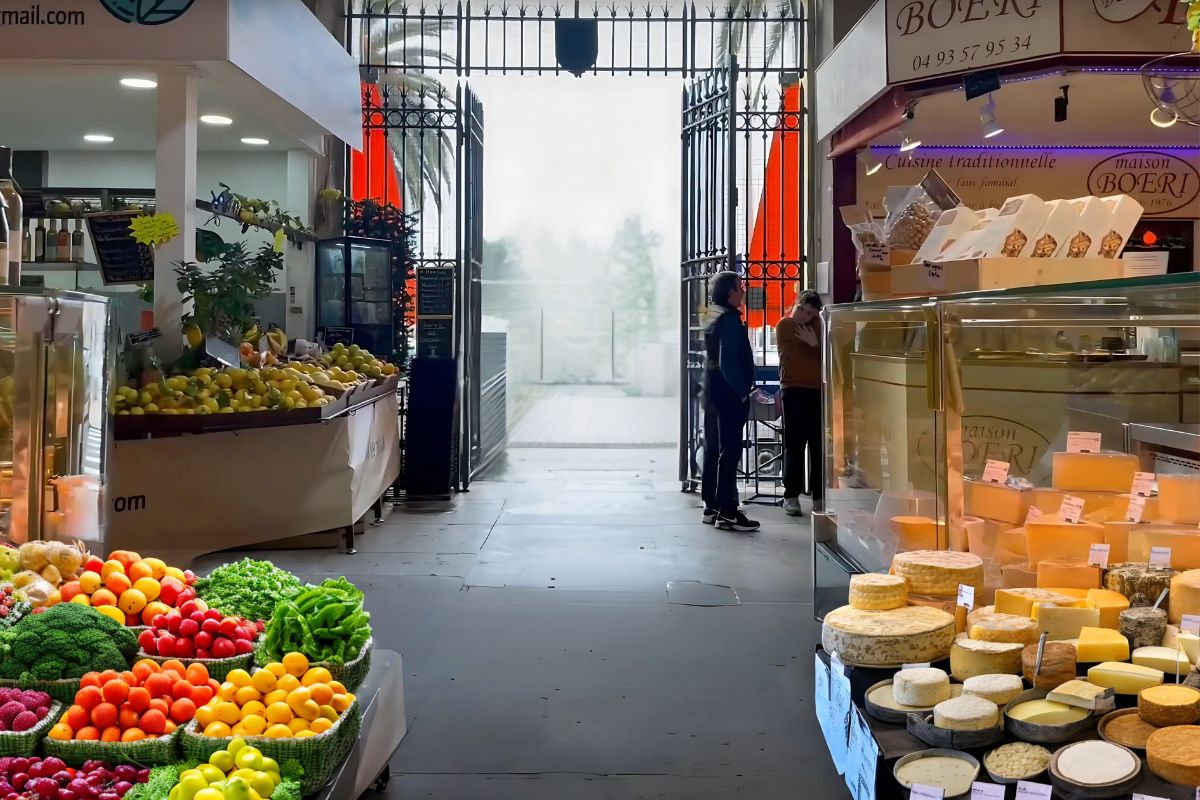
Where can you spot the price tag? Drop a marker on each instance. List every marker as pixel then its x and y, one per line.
pixel 1083 442
pixel 936 275
pixel 995 471
pixel 966 596
pixel 1071 509
pixel 924 665
pixel 835 663
pixel 1143 484
pixel 986 791
pixel 1137 507
pixel 1098 555
pixel 920 791
pixel 1033 513
pixel 1190 624
pixel 1032 791
pixel 1139 796
pixel 1160 558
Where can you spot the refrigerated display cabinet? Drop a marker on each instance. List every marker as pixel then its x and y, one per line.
pixel 354 291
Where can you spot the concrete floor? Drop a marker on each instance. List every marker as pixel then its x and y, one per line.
pixel 545 657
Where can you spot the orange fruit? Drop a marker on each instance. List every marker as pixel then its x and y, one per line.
pixel 276 669
pixel 117 582
pixel 202 694
pixel 228 713
pixel 341 702
pixel 81 599
pixel 297 725
pixel 133 735
pixel 153 609
pixel 115 692
pixel 103 597
pixel 316 675
pixel 138 570
pixel 197 674
pixel 306 734
pixel 246 694
pixel 227 691
pixel 171 726
pixel 253 707
pixel 182 689
pixel 288 683
pixel 175 664
pixel 60 732
pixel 182 710
pixel 161 705
pixel 90 679
pixel 239 678
pixel 132 601
pixel 205 716
pixel 110 567
pixel 158 569
pixel 329 713
pixel 277 696
pixel 112 734
pixel 110 610
pixel 253 725
pixel 264 681
pixel 320 725
pixel 89 582
pixel 127 718
pixel 154 722
pixel 124 557
pixel 217 730
pixel 295 663
pixel 144 669
pixel 77 717
pixel 139 699
pixel 321 693
pixel 298 697
pixel 89 696
pixel 104 715
pixel 149 587
pixel 159 685
pixel 279 714
pixel 278 732
pixel 88 734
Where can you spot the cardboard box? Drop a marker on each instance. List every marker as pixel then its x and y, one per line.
pixel 1084 241
pixel 950 227
pixel 999 273
pixel 1126 213
pixel 1060 224
pixel 1016 225
pixel 966 242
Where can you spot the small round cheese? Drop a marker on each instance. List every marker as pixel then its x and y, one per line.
pixel 874 591
pixel 966 713
pixel 1168 704
pixel 921 687
pixel 1000 689
pixel 1096 763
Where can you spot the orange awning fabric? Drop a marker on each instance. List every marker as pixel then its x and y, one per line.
pixel 373 169
pixel 776 246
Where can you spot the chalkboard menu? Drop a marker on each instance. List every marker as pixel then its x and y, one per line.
pixel 435 338
pixel 435 292
pixel 332 334
pixel 121 259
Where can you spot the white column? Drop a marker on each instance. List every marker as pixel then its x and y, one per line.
pixel 300 263
pixel 174 193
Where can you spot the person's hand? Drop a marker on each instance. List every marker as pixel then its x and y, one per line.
pixel 807 335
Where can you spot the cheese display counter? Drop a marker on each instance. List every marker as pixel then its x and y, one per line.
pixel 1013 492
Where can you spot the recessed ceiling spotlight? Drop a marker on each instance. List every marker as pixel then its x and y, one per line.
pixel 215 119
pixel 871 164
pixel 138 83
pixel 987 117
pixel 1162 118
pixel 255 140
pixel 99 138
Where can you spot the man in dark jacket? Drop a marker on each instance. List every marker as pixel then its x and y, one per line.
pixel 728 382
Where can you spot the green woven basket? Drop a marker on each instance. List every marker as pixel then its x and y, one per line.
pixel 63 691
pixel 351 674
pixel 217 668
pixel 321 756
pixel 25 743
pixel 146 753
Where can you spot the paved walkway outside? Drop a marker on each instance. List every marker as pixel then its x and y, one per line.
pixel 595 416
pixel 546 660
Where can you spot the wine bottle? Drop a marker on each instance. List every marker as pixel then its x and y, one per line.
pixel 27 241
pixel 64 243
pixel 77 242
pixel 52 241
pixel 39 241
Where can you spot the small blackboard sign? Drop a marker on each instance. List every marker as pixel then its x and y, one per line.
pixel 144 337
pixel 435 292
pixel 333 334
pixel 977 84
pixel 435 338
pixel 222 351
pixel 121 258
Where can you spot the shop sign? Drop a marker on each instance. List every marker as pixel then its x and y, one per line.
pixel 1166 183
pixel 147 12
pixel 1147 27
pixel 927 38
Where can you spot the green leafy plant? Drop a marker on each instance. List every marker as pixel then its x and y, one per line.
pixel 223 298
pixel 255 211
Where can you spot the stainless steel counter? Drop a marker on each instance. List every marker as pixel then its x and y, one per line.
pixel 1177 436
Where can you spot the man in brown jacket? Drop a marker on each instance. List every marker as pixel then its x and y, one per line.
pixel 798 338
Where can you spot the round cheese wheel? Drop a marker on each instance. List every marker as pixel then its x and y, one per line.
pixel 939 572
pixel 1173 754
pixel 908 635
pixel 1168 704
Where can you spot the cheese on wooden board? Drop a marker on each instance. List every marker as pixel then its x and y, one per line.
pixel 1110 604
pixel 1093 472
pixel 1179 498
pixel 938 572
pixel 1067 573
pixel 875 591
pixel 1047 712
pixel 1101 644
pixel 1017 576
pixel 1065 623
pixel 1144 626
pixel 1171 660
pixel 970 658
pixel 908 635
pixel 1020 601
pixel 1058 665
pixel 1185 596
pixel 1173 754
pixel 1049 501
pixel 915 533
pixel 1079 693
pixel 997 501
pixel 1124 678
pixel 921 687
pixel 1138 582
pixel 1007 628
pixel 1185 545
pixel 1050 537
pixel 966 713
pixel 1000 689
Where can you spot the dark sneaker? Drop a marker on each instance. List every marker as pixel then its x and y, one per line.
pixel 791 507
pixel 710 516
pixel 738 522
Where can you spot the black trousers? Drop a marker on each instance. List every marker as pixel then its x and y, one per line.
pixel 724 425
pixel 802 429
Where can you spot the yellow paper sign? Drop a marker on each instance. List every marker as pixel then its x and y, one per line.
pixel 154 230
pixel 279 238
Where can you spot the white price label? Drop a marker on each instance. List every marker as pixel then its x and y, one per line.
pixel 966 596
pixel 1033 513
pixel 835 663
pixel 1071 509
pixel 1083 442
pixel 986 791
pixel 1032 791
pixel 1098 555
pixel 1190 624
pixel 1143 484
pixel 1160 558
pixel 995 471
pixel 920 791
pixel 876 253
pixel 936 275
pixel 1137 507
pixel 1139 796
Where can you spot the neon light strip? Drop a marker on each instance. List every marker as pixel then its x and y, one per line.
pixel 1185 147
pixel 1066 71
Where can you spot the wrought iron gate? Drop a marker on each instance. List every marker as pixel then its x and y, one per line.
pixel 474 452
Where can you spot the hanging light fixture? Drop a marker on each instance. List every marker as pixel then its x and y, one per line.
pixel 909 140
pixel 1162 118
pixel 987 118
pixel 871 163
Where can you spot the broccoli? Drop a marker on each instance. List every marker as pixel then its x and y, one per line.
pixel 66 641
pixel 50 668
pixel 11 670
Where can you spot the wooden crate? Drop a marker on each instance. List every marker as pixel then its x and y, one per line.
pixel 950 277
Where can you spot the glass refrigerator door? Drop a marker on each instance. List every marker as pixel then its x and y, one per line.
pixel 371 296
pixel 331 286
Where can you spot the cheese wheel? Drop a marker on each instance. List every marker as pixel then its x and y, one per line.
pixel 966 713
pixel 908 635
pixel 997 501
pixel 1173 754
pixel 1179 498
pixel 915 533
pixel 1185 595
pixel 1006 628
pixel 1052 537
pixel 874 591
pixel 1167 705
pixel 1058 665
pixel 1110 604
pixel 937 572
pixel 1067 572
pixel 1093 472
pixel 1138 582
pixel 970 658
pixel 922 687
pixel 1184 544
pixel 1000 689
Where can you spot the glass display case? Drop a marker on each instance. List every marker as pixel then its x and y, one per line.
pixel 57 355
pixel 921 394
pixel 354 291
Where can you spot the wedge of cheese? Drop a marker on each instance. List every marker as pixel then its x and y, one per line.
pixel 1097 645
pixel 1110 604
pixel 1124 678
pixel 1019 602
pixel 1094 472
pixel 1172 661
pixel 997 501
pixel 1067 572
pixel 1065 623
pixel 1080 694
pixel 1049 501
pixel 1051 537
pixel 1184 544
pixel 1179 498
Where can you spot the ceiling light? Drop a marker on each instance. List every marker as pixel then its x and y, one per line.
pixel 1162 117
pixel 215 119
pixel 910 140
pixel 99 138
pixel 870 163
pixel 255 140
pixel 987 118
pixel 138 83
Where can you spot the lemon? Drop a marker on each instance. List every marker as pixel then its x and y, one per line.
pixel 137 411
pixel 254 724
pixel 253 707
pixel 239 678
pixel 236 746
pixel 224 381
pixel 264 681
pixel 211 771
pixel 226 410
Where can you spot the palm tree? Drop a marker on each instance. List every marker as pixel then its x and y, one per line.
pixel 781 23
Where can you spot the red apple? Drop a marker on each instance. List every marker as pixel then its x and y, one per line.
pixel 223 648
pixel 188 628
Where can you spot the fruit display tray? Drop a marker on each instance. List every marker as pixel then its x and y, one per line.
pixel 155 425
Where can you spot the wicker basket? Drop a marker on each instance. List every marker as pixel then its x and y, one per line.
pixel 351 674
pixel 146 753
pixel 217 668
pixel 321 756
pixel 63 691
pixel 25 743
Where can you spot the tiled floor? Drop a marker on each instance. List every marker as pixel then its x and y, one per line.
pixel 595 416
pixel 545 658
